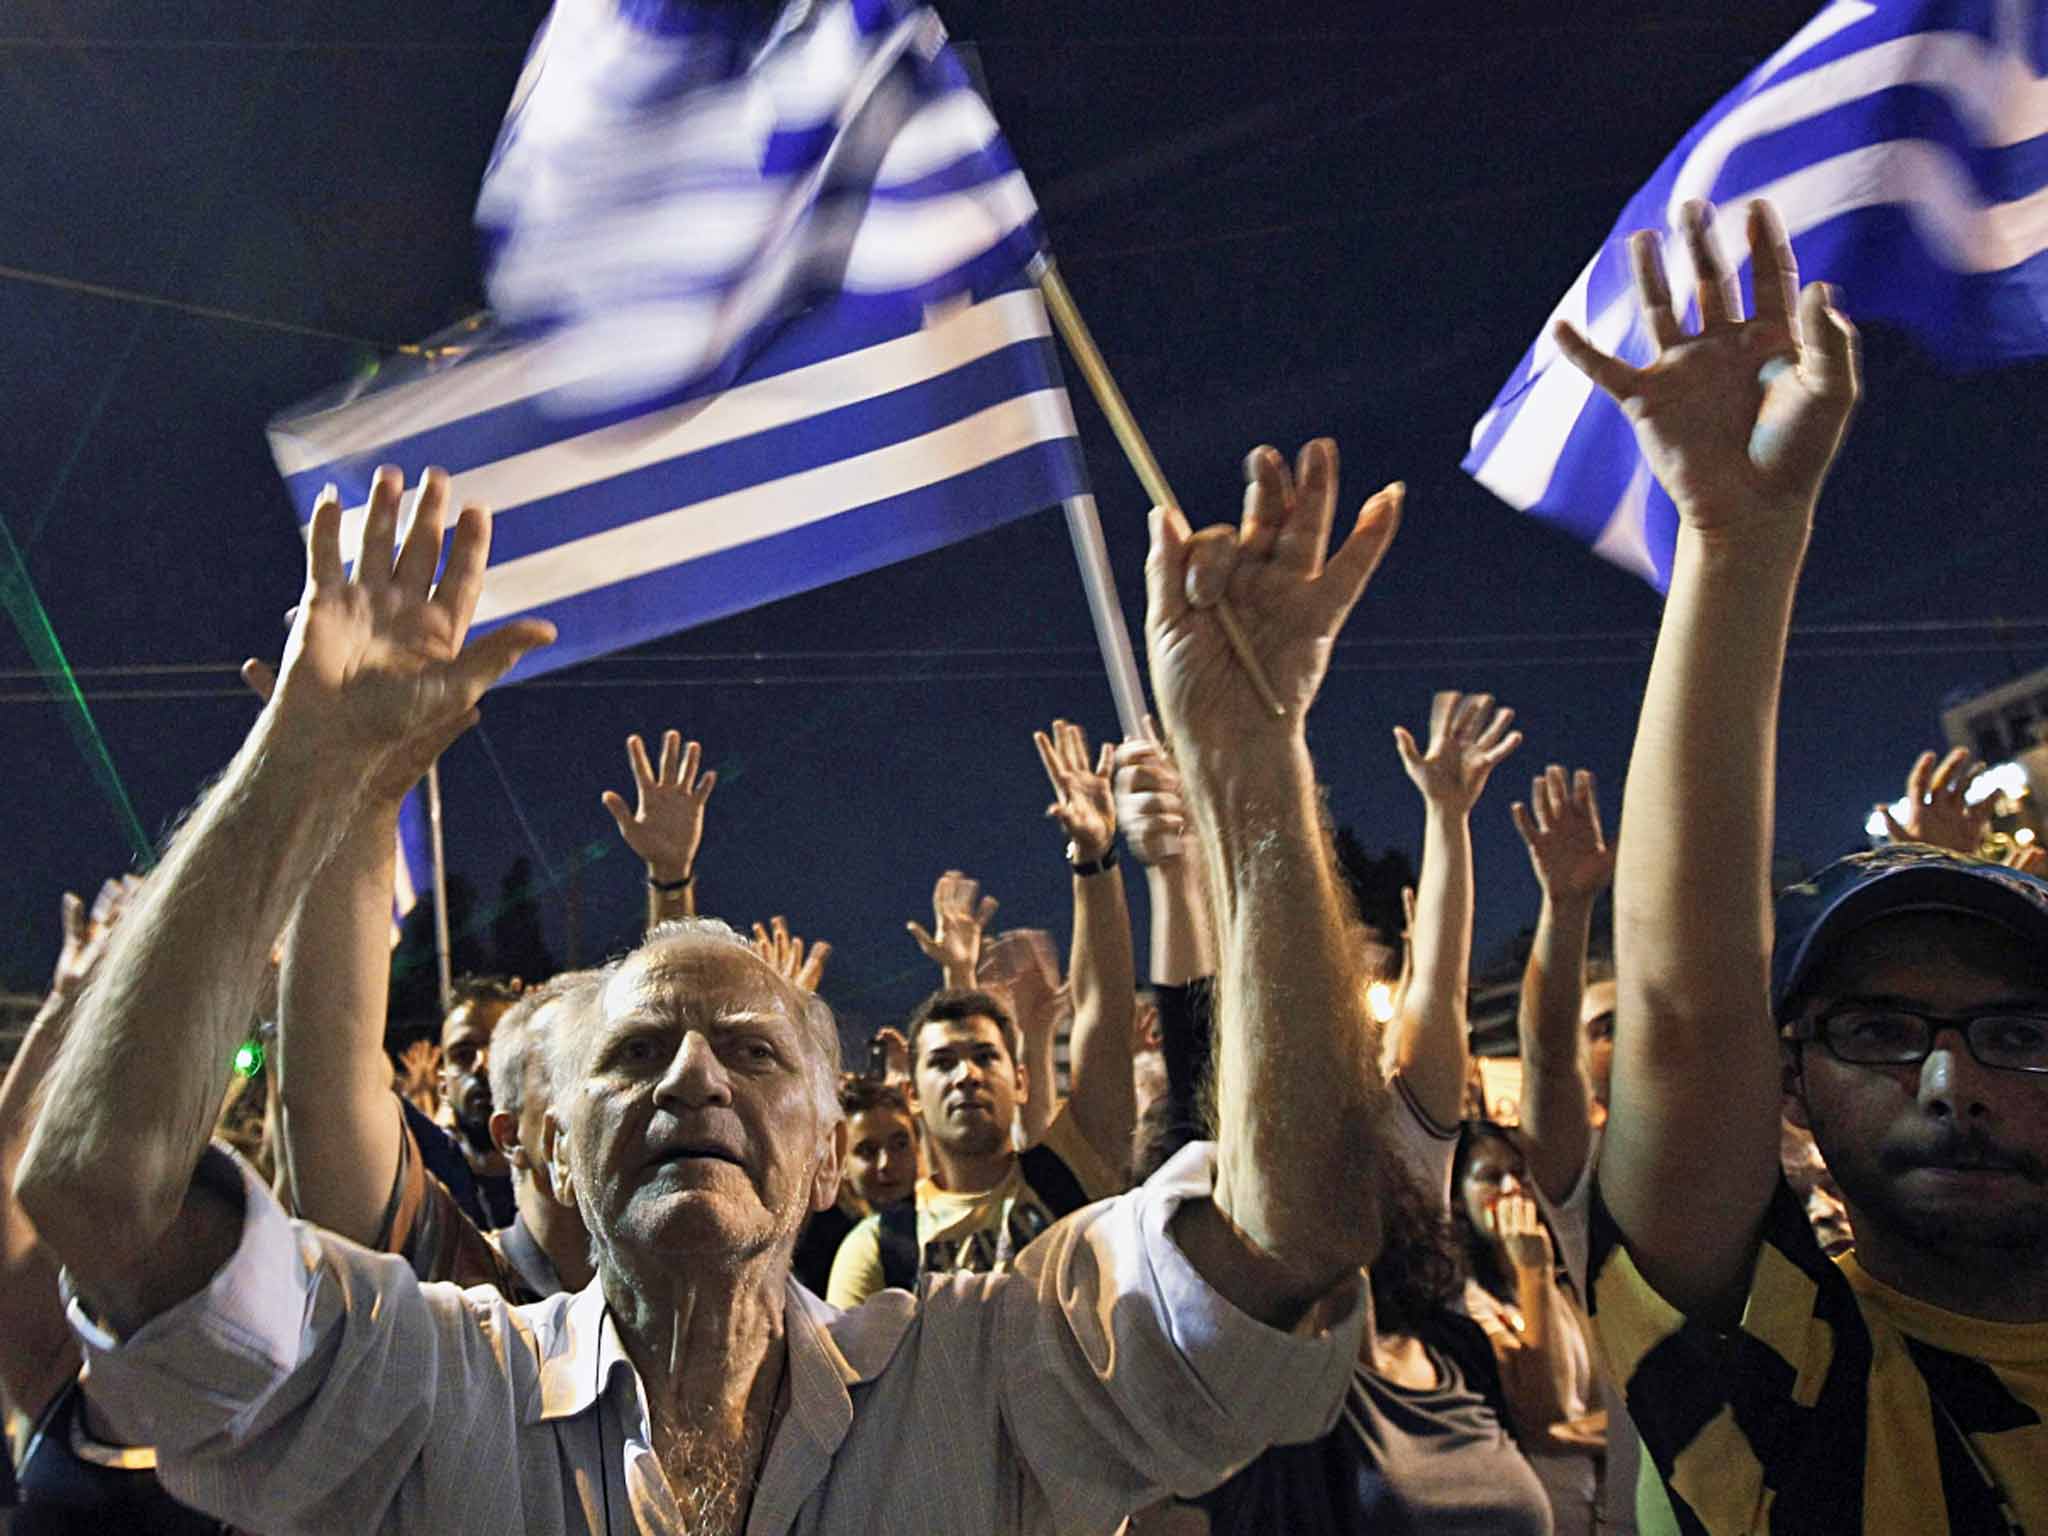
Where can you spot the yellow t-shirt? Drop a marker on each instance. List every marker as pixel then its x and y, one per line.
pixel 977 1232
pixel 1835 1406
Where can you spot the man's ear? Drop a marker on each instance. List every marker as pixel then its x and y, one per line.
pixel 505 1137
pixel 1792 1077
pixel 554 1150
pixel 831 1164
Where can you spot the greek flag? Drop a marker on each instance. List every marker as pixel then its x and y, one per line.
pixel 851 440
pixel 1906 145
pixel 674 179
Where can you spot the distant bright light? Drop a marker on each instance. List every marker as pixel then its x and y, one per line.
pixel 2008 779
pixel 1379 1000
pixel 249 1058
pixel 2024 837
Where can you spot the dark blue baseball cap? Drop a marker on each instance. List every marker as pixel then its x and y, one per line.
pixel 1817 914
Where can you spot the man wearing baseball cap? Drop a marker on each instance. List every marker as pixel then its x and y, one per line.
pixel 1902 1013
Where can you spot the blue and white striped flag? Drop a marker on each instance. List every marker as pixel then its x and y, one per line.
pixel 850 442
pixel 1906 145
pixel 415 859
pixel 674 179
pixel 797 258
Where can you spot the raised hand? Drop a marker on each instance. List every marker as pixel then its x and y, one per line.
pixel 85 933
pixel 667 826
pixel 953 942
pixel 1740 421
pixel 1936 810
pixel 1023 964
pixel 1288 599
pixel 1086 803
pixel 380 661
pixel 1468 739
pixel 1518 1229
pixel 1561 825
pixel 406 765
pixel 785 951
pixel 1150 806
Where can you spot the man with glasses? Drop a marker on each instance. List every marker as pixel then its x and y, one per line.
pixel 1902 1009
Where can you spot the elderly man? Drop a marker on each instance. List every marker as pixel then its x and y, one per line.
pixel 1153 1342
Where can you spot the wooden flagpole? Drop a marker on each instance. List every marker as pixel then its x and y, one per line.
pixel 1066 317
pixel 441 946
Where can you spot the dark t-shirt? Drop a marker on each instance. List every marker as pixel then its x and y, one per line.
pixel 485 1200
pixel 819 1246
pixel 1433 1461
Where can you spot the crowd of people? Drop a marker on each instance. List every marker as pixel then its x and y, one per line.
pixel 1235 1248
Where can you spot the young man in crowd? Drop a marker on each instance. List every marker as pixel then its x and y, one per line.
pixel 295 1381
pixel 1905 1008
pixel 973 1079
pixel 982 1200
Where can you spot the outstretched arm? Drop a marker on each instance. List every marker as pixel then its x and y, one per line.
pixel 37 1352
pixel 338 1147
pixel 1302 1110
pixel 373 661
pixel 666 827
pixel 1561 825
pixel 1468 739
pixel 1739 423
pixel 1100 968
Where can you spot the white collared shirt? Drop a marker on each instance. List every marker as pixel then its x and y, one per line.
pixel 315 1386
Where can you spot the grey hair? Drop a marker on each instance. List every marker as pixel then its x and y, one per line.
pixel 521 1031
pixel 819 1026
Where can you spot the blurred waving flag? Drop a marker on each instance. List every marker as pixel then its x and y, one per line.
pixel 674 179
pixel 762 324
pixel 1906 145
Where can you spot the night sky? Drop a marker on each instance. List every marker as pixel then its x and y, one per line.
pixel 1281 220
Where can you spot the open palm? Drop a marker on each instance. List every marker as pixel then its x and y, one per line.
pixel 378 659
pixel 1740 421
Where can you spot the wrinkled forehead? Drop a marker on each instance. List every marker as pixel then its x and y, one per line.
pixel 693 977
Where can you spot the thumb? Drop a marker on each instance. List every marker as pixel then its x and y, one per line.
pixel 72 909
pixel 1405 745
pixel 261 678
pixel 616 804
pixel 925 941
pixel 488 657
pixel 1892 829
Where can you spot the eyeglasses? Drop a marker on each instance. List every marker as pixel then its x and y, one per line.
pixel 1889 1035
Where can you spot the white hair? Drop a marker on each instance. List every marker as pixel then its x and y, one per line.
pixel 522 1030
pixel 564 1047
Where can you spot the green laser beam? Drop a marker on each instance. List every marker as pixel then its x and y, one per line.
pixel 25 608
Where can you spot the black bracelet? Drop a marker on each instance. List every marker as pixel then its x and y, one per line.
pixel 1098 866
pixel 670 887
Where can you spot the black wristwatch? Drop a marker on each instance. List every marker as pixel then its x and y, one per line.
pixel 1086 867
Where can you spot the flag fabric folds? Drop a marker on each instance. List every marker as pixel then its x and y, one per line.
pixel 852 441
pixel 672 179
pixel 1906 145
